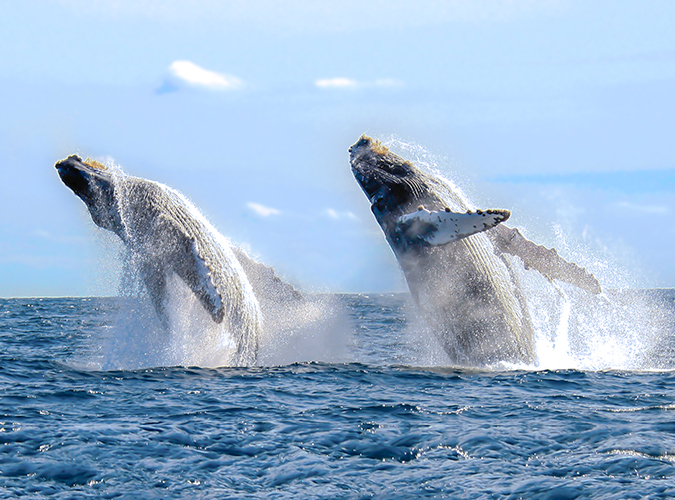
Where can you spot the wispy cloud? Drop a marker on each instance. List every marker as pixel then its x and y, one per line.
pixel 336 83
pixel 262 210
pixel 345 83
pixel 188 73
pixel 387 82
pixel 639 208
pixel 337 215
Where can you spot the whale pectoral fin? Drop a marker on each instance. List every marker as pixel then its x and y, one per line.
pixel 545 260
pixel 265 282
pixel 193 269
pixel 155 283
pixel 439 228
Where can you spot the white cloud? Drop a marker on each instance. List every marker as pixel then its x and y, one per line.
pixel 188 72
pixel 341 82
pixel 336 83
pixel 262 210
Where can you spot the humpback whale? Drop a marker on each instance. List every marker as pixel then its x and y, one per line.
pixel 167 235
pixel 455 260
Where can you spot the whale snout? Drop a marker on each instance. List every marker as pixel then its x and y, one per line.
pixel 93 184
pixel 78 174
pixel 360 147
pixel 88 179
pixel 73 174
pixel 68 161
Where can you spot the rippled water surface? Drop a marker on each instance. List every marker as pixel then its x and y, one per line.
pixel 373 427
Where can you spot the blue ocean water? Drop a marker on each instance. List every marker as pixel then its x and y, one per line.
pixel 373 426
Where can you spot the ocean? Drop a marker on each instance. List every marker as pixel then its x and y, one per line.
pixel 386 418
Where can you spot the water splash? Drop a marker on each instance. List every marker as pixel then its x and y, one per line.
pixel 619 329
pixel 279 324
pixel 574 329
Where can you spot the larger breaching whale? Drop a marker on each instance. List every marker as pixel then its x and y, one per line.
pixel 167 235
pixel 454 260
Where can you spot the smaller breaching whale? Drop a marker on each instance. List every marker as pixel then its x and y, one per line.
pixel 167 235
pixel 455 260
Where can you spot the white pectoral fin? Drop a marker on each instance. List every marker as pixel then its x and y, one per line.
pixel 438 228
pixel 545 260
pixel 155 282
pixel 194 270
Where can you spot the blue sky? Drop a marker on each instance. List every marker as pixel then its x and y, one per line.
pixel 561 111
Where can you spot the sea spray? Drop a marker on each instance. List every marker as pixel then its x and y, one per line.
pixel 573 329
pixel 617 329
pixel 164 234
pixel 267 321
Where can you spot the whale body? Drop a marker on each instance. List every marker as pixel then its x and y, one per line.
pixel 455 261
pixel 166 235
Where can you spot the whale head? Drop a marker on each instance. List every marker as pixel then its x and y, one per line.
pixel 393 185
pixel 410 205
pixel 92 182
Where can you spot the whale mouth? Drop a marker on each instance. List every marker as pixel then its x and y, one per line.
pixel 377 198
pixel 94 184
pixel 78 174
